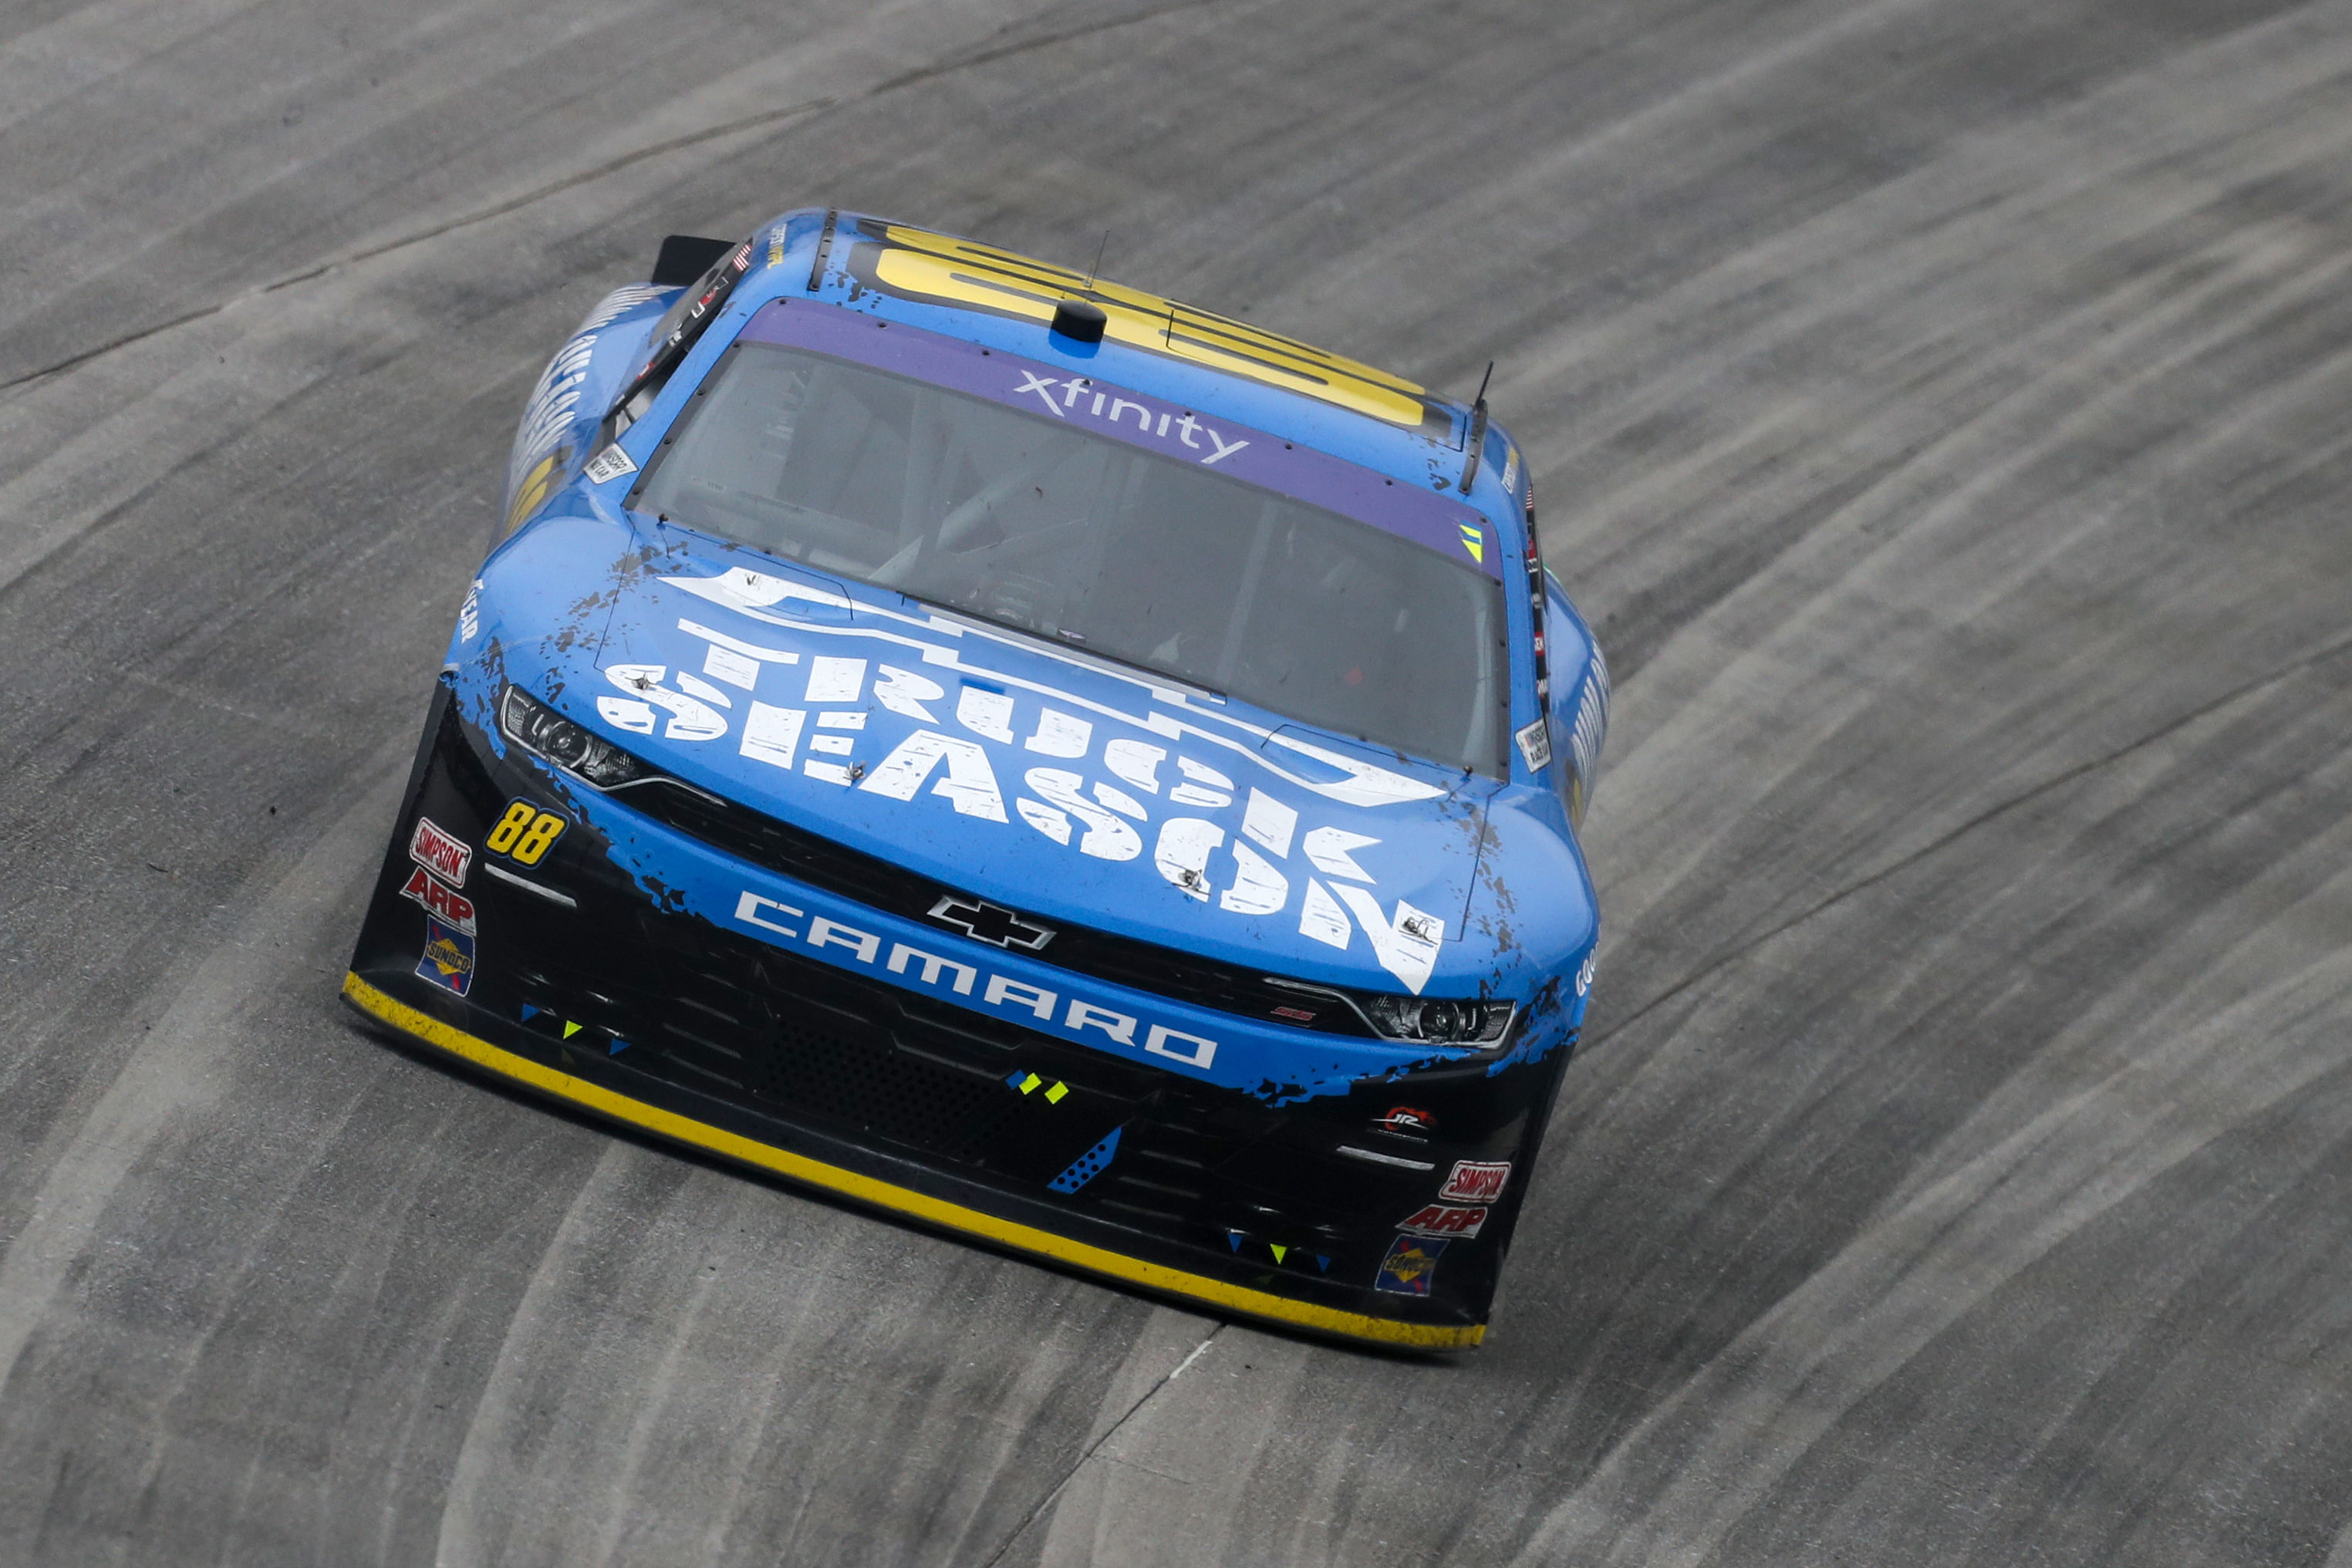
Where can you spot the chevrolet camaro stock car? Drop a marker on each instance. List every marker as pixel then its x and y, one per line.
pixel 1063 766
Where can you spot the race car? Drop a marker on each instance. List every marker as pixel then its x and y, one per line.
pixel 1062 766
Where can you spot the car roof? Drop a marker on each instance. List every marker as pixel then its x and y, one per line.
pixel 988 295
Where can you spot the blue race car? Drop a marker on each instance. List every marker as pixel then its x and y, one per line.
pixel 1078 771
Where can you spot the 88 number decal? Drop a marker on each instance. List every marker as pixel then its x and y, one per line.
pixel 525 833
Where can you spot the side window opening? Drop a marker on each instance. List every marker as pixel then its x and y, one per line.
pixel 675 335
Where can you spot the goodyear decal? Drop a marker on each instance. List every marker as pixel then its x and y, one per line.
pixel 939 269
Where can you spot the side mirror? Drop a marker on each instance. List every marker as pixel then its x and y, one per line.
pixel 684 259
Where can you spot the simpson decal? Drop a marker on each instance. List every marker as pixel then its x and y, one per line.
pixel 1411 1266
pixel 1475 1182
pixel 439 852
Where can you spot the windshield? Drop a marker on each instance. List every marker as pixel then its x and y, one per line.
pixel 1095 544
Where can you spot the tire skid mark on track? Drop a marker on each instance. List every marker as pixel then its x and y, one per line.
pixel 1844 562
pixel 175 1071
pixel 1722 961
pixel 766 120
pixel 369 252
pixel 1939 1254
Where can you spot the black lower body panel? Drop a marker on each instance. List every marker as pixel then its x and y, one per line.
pixel 565 976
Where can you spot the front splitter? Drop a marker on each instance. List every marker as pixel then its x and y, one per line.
pixel 1217 1295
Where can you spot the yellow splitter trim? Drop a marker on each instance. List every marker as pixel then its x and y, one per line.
pixel 883 1195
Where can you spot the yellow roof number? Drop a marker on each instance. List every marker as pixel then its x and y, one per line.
pixel 941 269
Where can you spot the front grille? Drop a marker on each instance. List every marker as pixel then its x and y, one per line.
pixel 811 858
pixel 805 1042
pixel 800 1039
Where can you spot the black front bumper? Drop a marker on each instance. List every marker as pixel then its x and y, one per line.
pixel 907 1101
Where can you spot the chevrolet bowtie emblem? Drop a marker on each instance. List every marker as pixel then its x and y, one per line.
pixel 986 923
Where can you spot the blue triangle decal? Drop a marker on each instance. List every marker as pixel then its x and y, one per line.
pixel 529 1012
pixel 619 1045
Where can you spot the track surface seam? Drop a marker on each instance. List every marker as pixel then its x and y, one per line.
pixel 613 166
pixel 1062 1482
pixel 2059 781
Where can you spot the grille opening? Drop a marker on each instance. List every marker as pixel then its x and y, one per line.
pixel 806 1043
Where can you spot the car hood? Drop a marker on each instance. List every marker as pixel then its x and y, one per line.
pixel 1056 783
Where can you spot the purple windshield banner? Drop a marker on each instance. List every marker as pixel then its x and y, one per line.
pixel 1049 391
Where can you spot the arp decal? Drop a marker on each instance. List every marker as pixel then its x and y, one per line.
pixel 1476 1181
pixel 1442 1220
pixel 440 852
pixel 1411 1266
pixel 440 900
pixel 449 960
pixel 525 833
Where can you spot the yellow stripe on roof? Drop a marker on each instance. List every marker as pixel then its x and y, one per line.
pixel 898 1199
pixel 941 269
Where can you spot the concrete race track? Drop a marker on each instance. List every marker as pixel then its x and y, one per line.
pixel 1938 408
